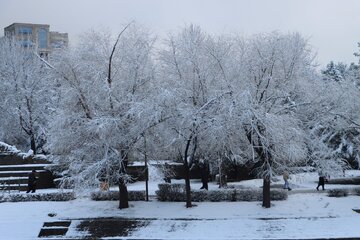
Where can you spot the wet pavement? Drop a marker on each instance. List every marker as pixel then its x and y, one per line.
pixel 110 227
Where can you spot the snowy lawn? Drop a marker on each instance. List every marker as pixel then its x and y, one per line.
pixel 303 215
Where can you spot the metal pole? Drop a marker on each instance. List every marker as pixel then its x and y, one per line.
pixel 146 172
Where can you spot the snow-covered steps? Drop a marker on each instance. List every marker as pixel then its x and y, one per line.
pixel 15 176
pixel 13 187
pixel 23 167
pixel 19 173
pixel 54 229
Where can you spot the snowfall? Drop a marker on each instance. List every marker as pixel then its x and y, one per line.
pixel 306 214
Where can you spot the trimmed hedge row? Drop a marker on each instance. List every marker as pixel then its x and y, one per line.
pixel 357 191
pixel 24 197
pixel 114 195
pixel 176 193
pixel 339 192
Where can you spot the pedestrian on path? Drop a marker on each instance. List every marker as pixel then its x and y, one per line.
pixel 32 182
pixel 286 178
pixel 321 181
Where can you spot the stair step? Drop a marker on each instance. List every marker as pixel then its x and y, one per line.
pixel 52 232
pixel 57 224
pixel 13 180
pixel 22 167
pixel 4 174
pixel 22 187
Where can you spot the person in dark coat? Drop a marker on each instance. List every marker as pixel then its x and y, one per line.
pixel 321 181
pixel 204 171
pixel 32 182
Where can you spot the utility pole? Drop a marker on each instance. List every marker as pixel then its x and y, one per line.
pixel 146 171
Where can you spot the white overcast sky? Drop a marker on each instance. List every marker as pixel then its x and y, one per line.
pixel 333 26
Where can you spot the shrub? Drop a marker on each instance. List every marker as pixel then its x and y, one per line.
pixel 176 193
pixel 248 195
pixel 137 195
pixel 171 192
pixel 114 195
pixel 278 195
pixel 23 197
pixel 357 191
pixel 104 195
pixel 340 192
pixel 199 195
pixel 222 195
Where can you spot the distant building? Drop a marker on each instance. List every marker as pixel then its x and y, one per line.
pixel 58 40
pixel 37 36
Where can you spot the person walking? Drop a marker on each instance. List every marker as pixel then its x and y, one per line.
pixel 32 182
pixel 204 171
pixel 286 178
pixel 321 181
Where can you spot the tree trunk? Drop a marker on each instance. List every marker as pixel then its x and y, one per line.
pixel 187 176
pixel 123 195
pixel 33 143
pixel 266 192
pixel 123 192
pixel 187 188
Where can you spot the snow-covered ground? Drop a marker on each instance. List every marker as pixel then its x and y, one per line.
pixel 302 215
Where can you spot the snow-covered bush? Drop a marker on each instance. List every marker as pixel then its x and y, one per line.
pixel 357 191
pixel 171 192
pixel 278 195
pixel 114 195
pixel 248 195
pixel 104 195
pixel 199 195
pixel 6 148
pixel 22 197
pixel 340 192
pixel 176 193
pixel 257 195
pixel 222 195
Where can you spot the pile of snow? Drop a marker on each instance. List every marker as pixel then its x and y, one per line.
pixel 8 149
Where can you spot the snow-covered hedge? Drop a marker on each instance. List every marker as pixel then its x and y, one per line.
pixel 114 195
pixel 24 197
pixel 171 192
pixel 277 195
pixel 199 196
pixel 248 195
pixel 221 195
pixel 176 193
pixel 339 192
pixel 357 191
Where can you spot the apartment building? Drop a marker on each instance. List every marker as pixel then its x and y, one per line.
pixel 37 36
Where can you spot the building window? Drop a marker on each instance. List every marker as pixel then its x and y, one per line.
pixel 26 43
pixel 42 34
pixel 25 30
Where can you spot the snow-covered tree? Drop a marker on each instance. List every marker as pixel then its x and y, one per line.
pixel 335 132
pixel 272 70
pixel 335 72
pixel 26 96
pixel 106 106
pixel 195 90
